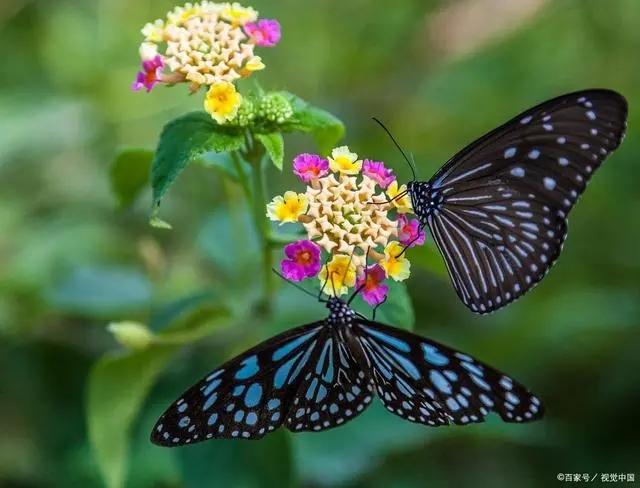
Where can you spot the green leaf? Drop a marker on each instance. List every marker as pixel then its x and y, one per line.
pixel 335 457
pixel 325 127
pixel 129 174
pixel 236 170
pixel 396 311
pixel 158 223
pixel 118 386
pixel 101 291
pixel 270 460
pixel 185 139
pixel 274 144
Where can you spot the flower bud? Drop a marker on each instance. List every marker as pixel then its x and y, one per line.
pixel 132 335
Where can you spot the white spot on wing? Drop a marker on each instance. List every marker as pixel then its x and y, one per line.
pixel 549 183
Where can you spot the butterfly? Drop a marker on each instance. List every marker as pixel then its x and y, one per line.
pixel 326 373
pixel 498 209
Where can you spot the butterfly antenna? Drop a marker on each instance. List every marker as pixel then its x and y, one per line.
pixel 294 284
pixel 413 171
pixel 375 309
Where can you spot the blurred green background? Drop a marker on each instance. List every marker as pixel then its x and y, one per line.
pixel 439 74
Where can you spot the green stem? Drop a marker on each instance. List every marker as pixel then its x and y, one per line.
pixel 242 176
pixel 255 156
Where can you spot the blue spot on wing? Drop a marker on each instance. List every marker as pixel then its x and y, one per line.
pixel 433 355
pixel 393 341
pixel 406 364
pixel 211 387
pixel 283 371
pixel 249 368
pixel 302 363
pixel 291 345
pixel 210 401
pixel 440 382
pixel 472 368
pixel 254 393
pixel 273 403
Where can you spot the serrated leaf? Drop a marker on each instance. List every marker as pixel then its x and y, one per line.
pixel 129 174
pixel 183 140
pixel 274 144
pixel 325 127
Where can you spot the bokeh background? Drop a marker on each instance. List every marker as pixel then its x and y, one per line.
pixel 439 73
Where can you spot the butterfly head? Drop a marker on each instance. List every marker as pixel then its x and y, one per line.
pixel 423 199
pixel 339 312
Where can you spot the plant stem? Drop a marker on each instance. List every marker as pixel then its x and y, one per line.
pixel 255 156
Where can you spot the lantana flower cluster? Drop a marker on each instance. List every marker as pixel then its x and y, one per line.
pixel 206 43
pixel 358 224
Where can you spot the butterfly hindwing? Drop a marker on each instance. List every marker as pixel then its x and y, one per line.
pixel 426 382
pixel 332 392
pixel 497 210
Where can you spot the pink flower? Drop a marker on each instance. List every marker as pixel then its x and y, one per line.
pixel 409 232
pixel 374 291
pixel 150 74
pixel 265 33
pixel 377 171
pixel 308 167
pixel 303 260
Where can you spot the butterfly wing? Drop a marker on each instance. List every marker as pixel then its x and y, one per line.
pixel 266 387
pixel 426 382
pixel 332 392
pixel 497 210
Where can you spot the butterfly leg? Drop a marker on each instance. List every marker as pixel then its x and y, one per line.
pixel 376 308
pixel 412 241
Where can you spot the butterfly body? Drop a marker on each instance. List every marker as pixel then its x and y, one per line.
pixel 321 375
pixel 497 210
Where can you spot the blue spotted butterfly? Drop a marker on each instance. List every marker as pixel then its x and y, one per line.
pixel 321 375
pixel 497 210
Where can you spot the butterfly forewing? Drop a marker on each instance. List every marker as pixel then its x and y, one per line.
pixel 248 396
pixel 497 210
pixel 304 379
pixel 426 382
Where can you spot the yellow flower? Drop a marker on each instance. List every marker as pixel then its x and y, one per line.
pixel 154 31
pixel 287 208
pixel 403 204
pixel 237 14
pixel 222 101
pixel 341 273
pixel 344 161
pixel 395 265
pixel 254 64
pixel 179 15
